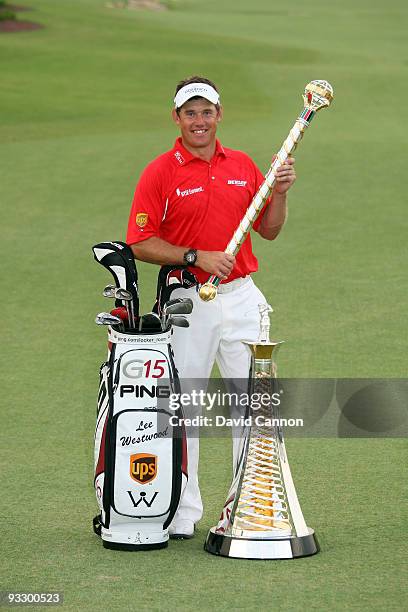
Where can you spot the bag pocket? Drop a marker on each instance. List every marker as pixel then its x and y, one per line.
pixel 143 466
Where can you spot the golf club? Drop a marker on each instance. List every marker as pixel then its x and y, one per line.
pixel 106 318
pixel 178 301
pixel 150 322
pixel 118 258
pixel 121 312
pixel 123 295
pixel 126 296
pixel 173 307
pixel 109 291
pixel 178 321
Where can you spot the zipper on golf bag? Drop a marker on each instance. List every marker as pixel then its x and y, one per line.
pixel 101 433
pixel 180 469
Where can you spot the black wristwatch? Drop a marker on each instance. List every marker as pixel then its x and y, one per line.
pixel 190 257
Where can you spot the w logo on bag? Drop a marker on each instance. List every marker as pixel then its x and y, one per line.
pixel 143 467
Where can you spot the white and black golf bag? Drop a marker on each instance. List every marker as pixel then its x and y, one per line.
pixel 140 447
pixel 140 444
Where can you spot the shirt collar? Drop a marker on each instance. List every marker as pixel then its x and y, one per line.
pixel 183 156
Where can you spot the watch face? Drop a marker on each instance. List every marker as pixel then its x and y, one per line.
pixel 190 257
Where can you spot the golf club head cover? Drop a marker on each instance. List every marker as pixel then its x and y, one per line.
pixel 118 258
pixel 169 279
pixel 140 454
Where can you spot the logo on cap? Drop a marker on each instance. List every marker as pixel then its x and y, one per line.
pixel 191 90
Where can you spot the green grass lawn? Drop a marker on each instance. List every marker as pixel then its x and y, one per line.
pixel 84 105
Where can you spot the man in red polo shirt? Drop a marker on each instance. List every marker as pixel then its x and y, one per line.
pixel 186 207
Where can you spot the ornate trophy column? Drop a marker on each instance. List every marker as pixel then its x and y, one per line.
pixel 262 518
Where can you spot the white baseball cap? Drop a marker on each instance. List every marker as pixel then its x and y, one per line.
pixel 203 90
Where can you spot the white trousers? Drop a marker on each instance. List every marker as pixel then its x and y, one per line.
pixel 217 331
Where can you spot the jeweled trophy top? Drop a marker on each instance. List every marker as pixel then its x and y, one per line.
pixel 318 95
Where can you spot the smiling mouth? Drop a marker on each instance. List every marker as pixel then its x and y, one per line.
pixel 199 131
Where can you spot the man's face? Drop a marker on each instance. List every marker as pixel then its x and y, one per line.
pixel 198 120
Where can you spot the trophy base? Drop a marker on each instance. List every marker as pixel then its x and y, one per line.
pixel 291 547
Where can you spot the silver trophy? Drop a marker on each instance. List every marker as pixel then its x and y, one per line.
pixel 262 518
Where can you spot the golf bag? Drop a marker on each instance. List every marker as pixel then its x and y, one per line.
pixel 140 455
pixel 140 443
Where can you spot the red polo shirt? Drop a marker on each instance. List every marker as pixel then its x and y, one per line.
pixel 197 204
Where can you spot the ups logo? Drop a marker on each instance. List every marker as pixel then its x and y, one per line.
pixel 143 467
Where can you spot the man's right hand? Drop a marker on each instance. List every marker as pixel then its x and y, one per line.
pixel 215 262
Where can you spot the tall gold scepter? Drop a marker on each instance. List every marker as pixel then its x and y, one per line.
pixel 317 95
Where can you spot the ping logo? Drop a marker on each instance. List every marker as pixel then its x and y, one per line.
pixel 141 219
pixel 143 467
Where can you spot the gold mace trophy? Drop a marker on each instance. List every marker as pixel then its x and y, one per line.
pixel 317 95
pixel 262 518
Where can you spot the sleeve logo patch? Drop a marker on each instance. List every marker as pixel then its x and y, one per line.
pixel 142 219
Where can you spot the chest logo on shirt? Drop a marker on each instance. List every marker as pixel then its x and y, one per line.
pixel 237 183
pixel 187 192
pixel 179 157
pixel 141 219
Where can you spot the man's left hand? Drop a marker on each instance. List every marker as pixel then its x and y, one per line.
pixel 285 176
